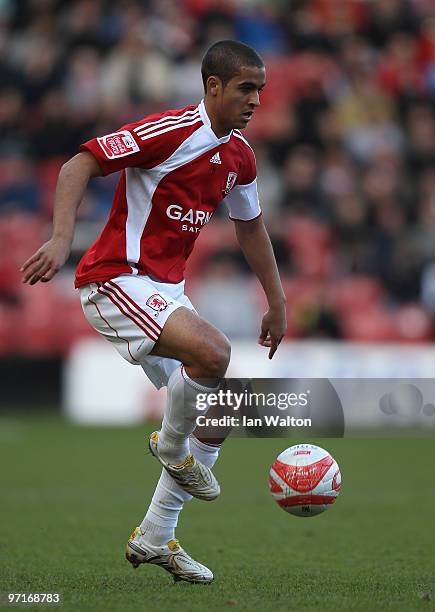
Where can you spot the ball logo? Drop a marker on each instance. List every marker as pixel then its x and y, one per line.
pixel 118 144
pixel 303 478
pixel 156 302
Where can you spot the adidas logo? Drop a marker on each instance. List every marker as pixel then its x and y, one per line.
pixel 216 159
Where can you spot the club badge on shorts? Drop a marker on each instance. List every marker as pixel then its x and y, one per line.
pixel 231 181
pixel 157 303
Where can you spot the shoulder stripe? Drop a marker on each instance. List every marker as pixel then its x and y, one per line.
pixel 172 127
pixel 170 118
pixel 238 135
pixel 144 131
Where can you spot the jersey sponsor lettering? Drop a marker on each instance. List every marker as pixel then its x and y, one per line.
pixel 118 144
pixel 191 220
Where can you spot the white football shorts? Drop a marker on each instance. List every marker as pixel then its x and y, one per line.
pixel 130 311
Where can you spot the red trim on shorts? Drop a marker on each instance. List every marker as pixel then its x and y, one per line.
pixel 127 297
pixel 148 332
pixel 128 303
pixel 112 328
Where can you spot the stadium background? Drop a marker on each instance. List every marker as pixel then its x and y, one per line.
pixel 345 144
pixel 344 139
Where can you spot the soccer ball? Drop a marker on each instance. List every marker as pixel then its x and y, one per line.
pixel 305 480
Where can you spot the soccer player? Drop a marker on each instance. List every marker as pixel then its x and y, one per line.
pixel 176 167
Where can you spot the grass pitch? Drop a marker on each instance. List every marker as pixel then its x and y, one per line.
pixel 71 496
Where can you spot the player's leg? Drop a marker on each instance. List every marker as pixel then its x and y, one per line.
pixel 139 318
pixel 118 310
pixel 158 526
pixel 161 519
pixel 203 352
pixel 155 536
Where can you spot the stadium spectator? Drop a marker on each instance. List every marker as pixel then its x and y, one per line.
pixel 345 134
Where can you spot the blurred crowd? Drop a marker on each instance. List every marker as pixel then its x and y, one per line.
pixel 344 139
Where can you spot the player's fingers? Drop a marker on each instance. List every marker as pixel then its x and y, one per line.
pixel 30 261
pixel 264 338
pixel 32 279
pixel 40 272
pixel 49 274
pixel 33 269
pixel 275 344
pixel 272 352
pixel 264 332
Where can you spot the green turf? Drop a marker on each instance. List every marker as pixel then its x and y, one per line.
pixel 71 496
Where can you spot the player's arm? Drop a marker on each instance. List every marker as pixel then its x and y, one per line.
pixel 257 248
pixel 70 189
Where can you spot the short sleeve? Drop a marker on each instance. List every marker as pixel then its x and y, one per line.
pixel 145 143
pixel 242 199
pixel 118 150
pixel 242 202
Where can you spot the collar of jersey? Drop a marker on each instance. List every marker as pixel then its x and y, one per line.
pixel 207 122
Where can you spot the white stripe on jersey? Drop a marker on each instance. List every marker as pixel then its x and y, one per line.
pixel 238 135
pixel 169 122
pixel 170 118
pixel 172 127
pixel 139 191
pixel 140 185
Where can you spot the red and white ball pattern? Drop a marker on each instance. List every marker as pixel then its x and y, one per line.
pixel 305 480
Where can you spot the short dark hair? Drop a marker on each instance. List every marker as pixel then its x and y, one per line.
pixel 225 58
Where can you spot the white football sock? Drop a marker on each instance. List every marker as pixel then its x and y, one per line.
pixel 159 524
pixel 156 535
pixel 206 454
pixel 181 412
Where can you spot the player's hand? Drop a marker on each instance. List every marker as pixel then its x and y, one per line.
pixel 273 328
pixel 47 260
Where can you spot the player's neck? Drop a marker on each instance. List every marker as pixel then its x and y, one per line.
pixel 219 129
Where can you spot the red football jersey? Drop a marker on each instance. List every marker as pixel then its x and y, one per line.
pixel 175 172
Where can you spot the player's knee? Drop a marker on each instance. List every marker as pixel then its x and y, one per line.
pixel 215 357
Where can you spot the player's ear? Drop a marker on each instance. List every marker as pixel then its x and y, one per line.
pixel 214 85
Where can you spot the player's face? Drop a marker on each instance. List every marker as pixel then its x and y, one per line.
pixel 240 97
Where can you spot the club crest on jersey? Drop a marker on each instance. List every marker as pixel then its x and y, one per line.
pixel 156 302
pixel 118 144
pixel 231 181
